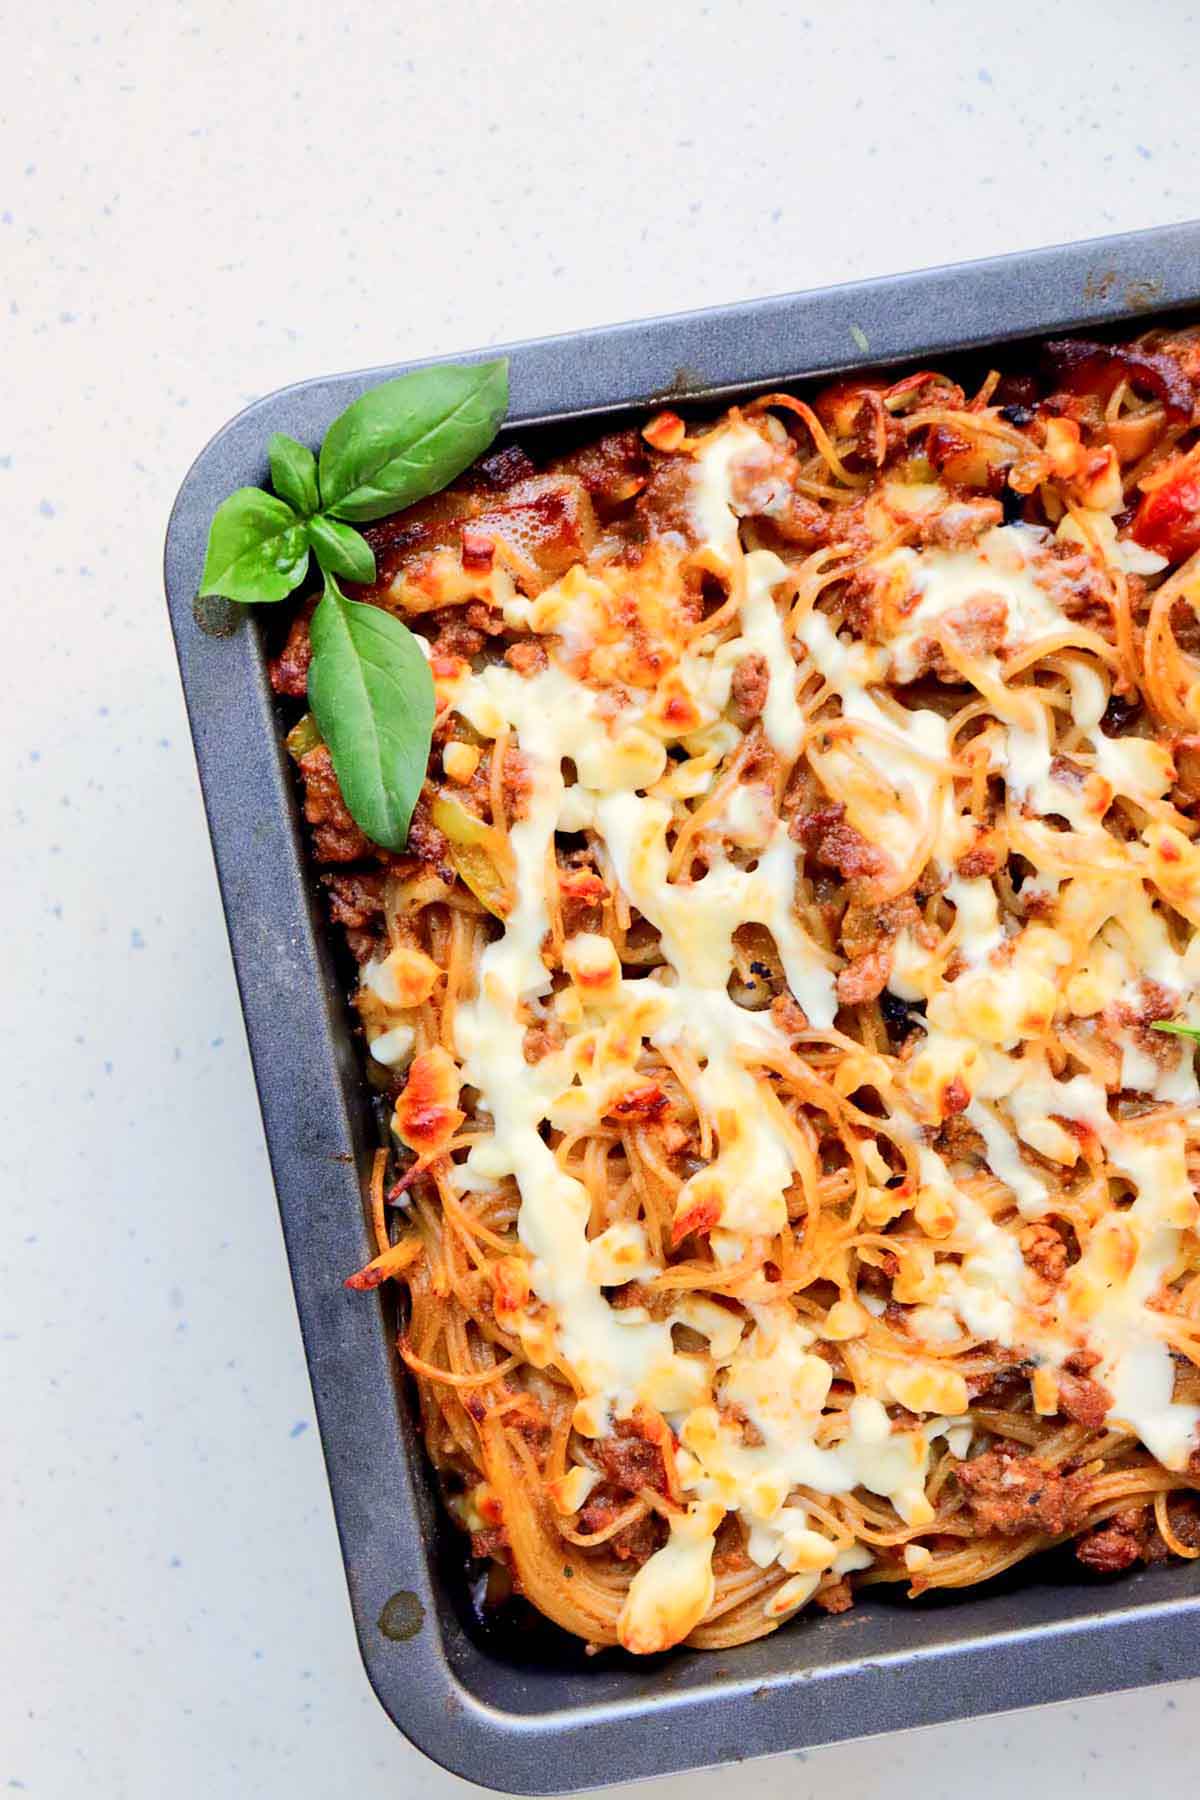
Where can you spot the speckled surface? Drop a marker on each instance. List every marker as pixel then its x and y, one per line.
pixel 198 204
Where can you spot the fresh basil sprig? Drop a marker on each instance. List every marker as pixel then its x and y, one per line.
pixel 1188 1031
pixel 369 684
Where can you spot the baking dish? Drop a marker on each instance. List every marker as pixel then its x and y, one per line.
pixel 523 1710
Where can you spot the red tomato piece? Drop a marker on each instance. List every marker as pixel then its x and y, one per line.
pixel 1168 518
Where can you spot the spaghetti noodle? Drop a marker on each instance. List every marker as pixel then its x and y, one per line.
pixel 790 1184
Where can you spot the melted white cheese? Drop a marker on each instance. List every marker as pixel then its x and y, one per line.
pixel 762 633
pixel 1003 564
pixel 1128 1257
pixel 673 1589
pixel 747 1182
pixel 906 752
pixel 780 1385
pixel 984 1030
pixel 734 450
pixel 979 928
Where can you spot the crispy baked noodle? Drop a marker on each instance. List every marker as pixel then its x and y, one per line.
pixel 790 1186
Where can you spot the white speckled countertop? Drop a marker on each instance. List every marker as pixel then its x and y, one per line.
pixel 199 203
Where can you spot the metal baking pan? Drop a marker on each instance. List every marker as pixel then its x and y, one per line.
pixel 526 1711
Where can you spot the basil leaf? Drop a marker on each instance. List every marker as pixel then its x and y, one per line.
pixel 257 548
pixel 410 437
pixel 293 473
pixel 371 693
pixel 340 549
pixel 1188 1031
